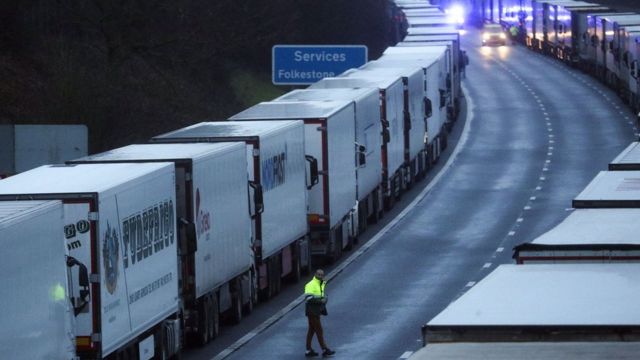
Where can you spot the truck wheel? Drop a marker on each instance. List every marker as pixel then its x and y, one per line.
pixel 277 274
pixel 296 274
pixel 253 296
pixel 204 316
pixel 214 327
pixel 236 308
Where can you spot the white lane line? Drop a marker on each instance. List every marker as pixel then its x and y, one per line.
pixel 520 220
pixel 406 354
pixel 500 249
pixel 470 284
pixel 511 233
pixel 486 265
pixel 532 198
pixel 538 188
pixel 527 207
pixel 464 137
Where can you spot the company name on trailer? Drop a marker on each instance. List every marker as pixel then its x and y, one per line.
pixel 148 232
pixel 274 170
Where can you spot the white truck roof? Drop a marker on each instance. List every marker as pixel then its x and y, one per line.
pixel 628 159
pixel 141 152
pixel 346 94
pixel 232 129
pixel 356 78
pixel 292 110
pixel 11 211
pixel 611 189
pixel 429 30
pixel 84 178
pixel 594 226
pixel 528 351
pixel 551 299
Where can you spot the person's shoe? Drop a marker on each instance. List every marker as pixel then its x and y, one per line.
pixel 310 353
pixel 327 352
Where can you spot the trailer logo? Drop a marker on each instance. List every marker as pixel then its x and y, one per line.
pixel 81 226
pixel 273 170
pixel 203 218
pixel 110 257
pixel 147 232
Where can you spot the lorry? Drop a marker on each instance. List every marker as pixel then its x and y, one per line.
pixel 586 235
pixel 391 95
pixel 415 106
pixel 329 133
pixel 215 240
pixel 611 189
pixel 24 147
pixel 120 237
pixel 437 93
pixel 36 320
pixel 275 164
pixel 543 306
pixel 628 159
pixel 368 139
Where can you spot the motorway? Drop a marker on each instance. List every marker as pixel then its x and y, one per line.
pixel 533 134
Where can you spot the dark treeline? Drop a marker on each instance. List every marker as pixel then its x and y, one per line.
pixel 130 69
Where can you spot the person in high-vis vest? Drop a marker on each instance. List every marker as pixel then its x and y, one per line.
pixel 315 306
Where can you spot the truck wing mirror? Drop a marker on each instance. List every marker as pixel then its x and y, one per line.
pixel 83 283
pixel 428 107
pixel 313 171
pixel 257 198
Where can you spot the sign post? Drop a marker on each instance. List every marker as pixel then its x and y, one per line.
pixel 306 64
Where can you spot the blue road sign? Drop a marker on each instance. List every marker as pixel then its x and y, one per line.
pixel 306 64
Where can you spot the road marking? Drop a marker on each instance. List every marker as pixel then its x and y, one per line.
pixel 511 233
pixel 527 207
pixel 532 198
pixel 470 284
pixel 538 188
pixel 520 220
pixel 406 354
pixel 500 249
pixel 464 137
pixel 486 265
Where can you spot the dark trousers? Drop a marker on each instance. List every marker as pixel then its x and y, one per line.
pixel 315 327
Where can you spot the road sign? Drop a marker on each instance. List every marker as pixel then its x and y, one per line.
pixel 306 64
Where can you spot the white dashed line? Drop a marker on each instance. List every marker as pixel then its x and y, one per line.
pixel 500 249
pixel 406 354
pixel 520 220
pixel 532 198
pixel 486 265
pixel 511 233
pixel 470 283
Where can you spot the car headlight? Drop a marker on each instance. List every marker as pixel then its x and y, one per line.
pixel 503 36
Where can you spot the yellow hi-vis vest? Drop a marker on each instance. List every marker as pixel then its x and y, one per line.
pixel 314 289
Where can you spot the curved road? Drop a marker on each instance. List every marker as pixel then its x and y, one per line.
pixel 536 134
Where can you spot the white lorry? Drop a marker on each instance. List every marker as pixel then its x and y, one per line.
pixel 628 159
pixel 551 308
pixel 611 189
pixel 215 246
pixel 391 94
pixel 276 164
pixel 415 106
pixel 329 133
pixel 120 234
pixel 587 235
pixel 368 142
pixel 36 321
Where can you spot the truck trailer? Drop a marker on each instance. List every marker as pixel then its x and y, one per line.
pixel 329 131
pixel 546 303
pixel 611 189
pixel 587 235
pixel 120 235
pixel 36 321
pixel 216 240
pixel 628 159
pixel 276 163
pixel 368 140
pixel 391 94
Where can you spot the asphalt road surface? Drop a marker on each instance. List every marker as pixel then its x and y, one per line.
pixel 532 136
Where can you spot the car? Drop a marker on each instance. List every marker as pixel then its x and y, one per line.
pixel 493 34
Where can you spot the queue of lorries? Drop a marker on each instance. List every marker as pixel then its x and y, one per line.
pixel 598 39
pixel 570 293
pixel 137 252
